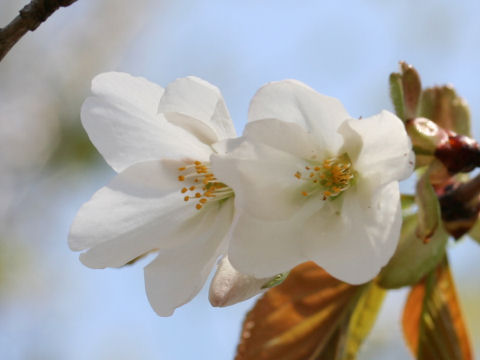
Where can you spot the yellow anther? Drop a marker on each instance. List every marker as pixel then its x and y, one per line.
pixel 307 167
pixel 317 168
pixel 198 195
pixel 186 198
pixel 184 190
pixel 203 201
pixel 182 168
pixel 304 193
pixel 192 187
pixel 181 178
pixel 198 163
pixel 298 175
pixel 312 175
pixel 198 206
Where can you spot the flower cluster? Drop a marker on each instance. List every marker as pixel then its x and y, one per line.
pixel 304 182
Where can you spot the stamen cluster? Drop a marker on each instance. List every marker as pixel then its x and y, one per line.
pixel 201 184
pixel 332 176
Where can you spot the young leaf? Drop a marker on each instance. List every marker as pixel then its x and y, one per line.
pixel 298 319
pixel 432 322
pixel 363 318
pixel 412 89
pixel 413 258
pixel 405 91
pixel 396 94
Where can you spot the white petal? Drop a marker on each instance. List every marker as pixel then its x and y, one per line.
pixel 288 137
pixel 266 248
pixel 177 275
pixel 142 209
pixel 354 244
pixel 385 148
pixel 121 87
pixel 229 286
pixel 263 179
pixel 293 101
pixel 125 134
pixel 194 98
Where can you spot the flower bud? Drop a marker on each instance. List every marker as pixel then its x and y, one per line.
pixel 459 154
pixel 229 286
pixel 460 204
pixel 426 137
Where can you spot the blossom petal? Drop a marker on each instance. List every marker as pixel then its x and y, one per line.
pixel 293 101
pixel 265 248
pixel 353 244
pixel 288 137
pixel 141 210
pixel 263 179
pixel 230 286
pixel 383 147
pixel 126 131
pixel 177 275
pixel 193 98
pixel 121 87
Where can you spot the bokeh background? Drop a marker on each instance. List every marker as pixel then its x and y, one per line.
pixel 51 307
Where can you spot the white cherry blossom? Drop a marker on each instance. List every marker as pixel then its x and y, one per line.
pixel 311 183
pixel 164 199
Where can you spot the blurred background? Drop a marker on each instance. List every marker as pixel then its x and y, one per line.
pixel 52 307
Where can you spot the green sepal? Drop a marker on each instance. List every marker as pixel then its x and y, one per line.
pixel 429 213
pixel 276 280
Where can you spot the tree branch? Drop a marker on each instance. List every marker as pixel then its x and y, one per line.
pixel 30 17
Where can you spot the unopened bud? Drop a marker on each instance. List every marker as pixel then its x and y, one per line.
pixel 229 286
pixel 459 154
pixel 460 204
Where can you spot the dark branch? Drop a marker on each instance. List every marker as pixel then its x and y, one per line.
pixel 30 17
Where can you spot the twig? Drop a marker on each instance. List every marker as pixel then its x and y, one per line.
pixel 30 17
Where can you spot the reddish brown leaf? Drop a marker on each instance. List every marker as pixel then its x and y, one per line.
pixel 432 322
pixel 296 320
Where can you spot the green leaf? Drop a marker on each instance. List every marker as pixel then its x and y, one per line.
pixel 432 321
pixel 413 258
pixel 363 319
